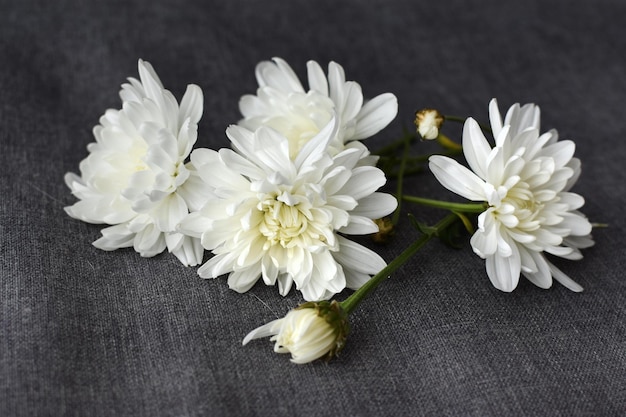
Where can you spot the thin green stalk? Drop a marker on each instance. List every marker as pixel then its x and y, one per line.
pixel 462 207
pixel 407 172
pixel 400 181
pixel 423 158
pixel 459 119
pixel 414 163
pixel 387 149
pixel 448 143
pixel 350 303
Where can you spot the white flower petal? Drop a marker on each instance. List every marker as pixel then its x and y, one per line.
pixel 504 271
pixel 375 115
pixel 577 224
pixel 316 78
pixel 315 148
pixel 190 252
pixel 170 213
pixel 562 152
pixel 336 82
pixel 376 206
pixel 191 105
pixel 268 329
pixel 149 241
pixel 356 257
pixel 579 241
pixel 475 147
pixel 484 241
pixel 564 279
pixel 457 178
pixel 573 200
pixel 364 181
pixel 242 280
pixel 495 118
pixel 542 277
pixel 359 225
pixel 115 237
pixel 277 74
pixel 353 101
pixel 285 282
pixel 495 167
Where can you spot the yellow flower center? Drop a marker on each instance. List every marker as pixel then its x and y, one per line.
pixel 521 203
pixel 289 225
pixel 282 223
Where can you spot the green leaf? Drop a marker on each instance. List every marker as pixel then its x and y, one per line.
pixel 422 227
pixel 466 222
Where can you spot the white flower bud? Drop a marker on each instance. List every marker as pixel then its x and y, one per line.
pixel 309 332
pixel 428 122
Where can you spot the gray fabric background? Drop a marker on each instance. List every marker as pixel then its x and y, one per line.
pixel 89 333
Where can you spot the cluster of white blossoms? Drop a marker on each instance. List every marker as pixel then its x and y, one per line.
pixel 294 181
pixel 275 207
pixel 525 180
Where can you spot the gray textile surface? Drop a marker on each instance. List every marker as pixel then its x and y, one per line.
pixel 92 333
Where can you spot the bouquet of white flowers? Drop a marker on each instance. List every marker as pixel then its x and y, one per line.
pixel 279 205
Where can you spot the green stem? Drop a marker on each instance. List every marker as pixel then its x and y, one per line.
pixel 350 303
pixel 387 149
pixel 462 207
pixel 400 183
pixel 407 172
pixel 459 119
pixel 448 143
pixel 423 158
pixel 414 163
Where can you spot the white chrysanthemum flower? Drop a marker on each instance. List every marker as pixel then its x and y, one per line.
pixel 309 332
pixel 135 177
pixel 525 180
pixel 278 218
pixel 283 103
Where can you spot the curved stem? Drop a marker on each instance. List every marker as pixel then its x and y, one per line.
pixel 463 207
pixel 350 303
pixel 448 143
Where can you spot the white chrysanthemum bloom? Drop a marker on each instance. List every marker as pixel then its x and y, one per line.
pixel 428 123
pixel 279 219
pixel 281 102
pixel 309 332
pixel 525 180
pixel 135 177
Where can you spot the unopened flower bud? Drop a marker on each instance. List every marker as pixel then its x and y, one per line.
pixel 385 230
pixel 428 122
pixel 311 331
